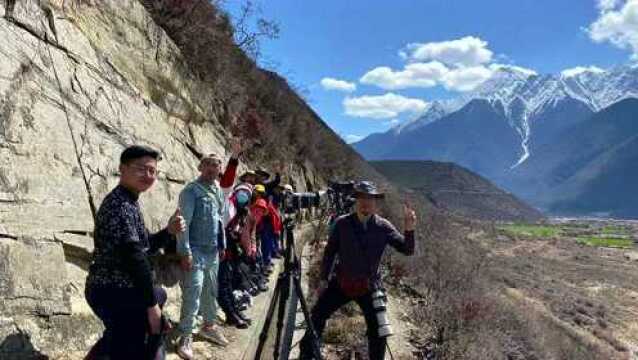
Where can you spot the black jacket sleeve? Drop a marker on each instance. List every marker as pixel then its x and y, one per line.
pixel 404 243
pixel 134 259
pixel 136 263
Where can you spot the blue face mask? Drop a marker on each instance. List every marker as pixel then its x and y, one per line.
pixel 242 199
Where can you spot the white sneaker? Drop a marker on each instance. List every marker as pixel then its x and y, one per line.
pixel 185 347
pixel 214 335
pixel 221 316
pixel 199 320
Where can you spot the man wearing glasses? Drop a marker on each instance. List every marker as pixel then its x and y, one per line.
pixel 119 286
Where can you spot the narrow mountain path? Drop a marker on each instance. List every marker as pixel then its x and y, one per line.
pixel 399 343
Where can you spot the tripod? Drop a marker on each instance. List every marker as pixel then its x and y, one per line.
pixel 286 294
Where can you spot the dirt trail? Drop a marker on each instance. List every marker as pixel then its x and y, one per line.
pixel 399 343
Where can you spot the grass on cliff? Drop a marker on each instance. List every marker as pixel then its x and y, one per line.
pixel 542 231
pixel 614 230
pixel 610 242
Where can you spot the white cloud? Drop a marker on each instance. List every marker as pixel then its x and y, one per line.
pixel 385 106
pixel 466 51
pixel 579 70
pixel 606 5
pixel 460 65
pixel 423 75
pixel 466 79
pixel 352 138
pixel 339 85
pixel 618 24
pixel 525 71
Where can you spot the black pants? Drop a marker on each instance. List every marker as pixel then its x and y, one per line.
pixel 225 287
pixel 330 301
pixel 125 321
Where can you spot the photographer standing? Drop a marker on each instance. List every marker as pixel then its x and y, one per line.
pixel 358 241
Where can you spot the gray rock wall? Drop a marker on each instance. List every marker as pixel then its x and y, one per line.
pixel 79 81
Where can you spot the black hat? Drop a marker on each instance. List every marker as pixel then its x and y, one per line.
pixel 136 152
pixel 247 173
pixel 367 188
pixel 262 172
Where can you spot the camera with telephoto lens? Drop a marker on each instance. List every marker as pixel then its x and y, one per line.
pixel 294 202
pixel 379 303
pixel 341 196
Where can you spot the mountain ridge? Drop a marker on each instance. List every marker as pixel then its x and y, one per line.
pixel 524 97
pixel 456 189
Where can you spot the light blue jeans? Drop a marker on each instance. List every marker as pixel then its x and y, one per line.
pixel 199 288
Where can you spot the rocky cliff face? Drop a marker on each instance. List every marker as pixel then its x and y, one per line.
pixel 79 81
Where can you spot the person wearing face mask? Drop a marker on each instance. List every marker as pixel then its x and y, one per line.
pixel 350 266
pixel 239 202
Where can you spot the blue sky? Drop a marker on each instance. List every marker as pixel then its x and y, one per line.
pixel 402 54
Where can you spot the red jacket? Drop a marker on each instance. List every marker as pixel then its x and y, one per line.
pixel 276 218
pixel 228 178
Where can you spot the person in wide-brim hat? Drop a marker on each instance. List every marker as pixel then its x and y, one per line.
pixel 367 189
pixel 264 175
pixel 249 176
pixel 350 269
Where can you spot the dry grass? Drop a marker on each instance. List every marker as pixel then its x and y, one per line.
pixel 489 294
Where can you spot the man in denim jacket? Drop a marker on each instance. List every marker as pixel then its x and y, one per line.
pixel 203 206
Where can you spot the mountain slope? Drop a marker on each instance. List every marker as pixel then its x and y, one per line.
pixel 588 168
pixel 460 138
pixel 537 107
pixel 458 190
pixel 528 133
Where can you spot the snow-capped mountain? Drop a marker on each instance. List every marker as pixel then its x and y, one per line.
pixel 547 138
pixel 525 97
pixel 434 111
pixel 597 89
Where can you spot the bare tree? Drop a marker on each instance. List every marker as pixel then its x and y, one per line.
pixel 248 35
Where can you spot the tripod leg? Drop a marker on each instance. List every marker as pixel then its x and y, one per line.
pixel 271 311
pixel 281 313
pixel 306 314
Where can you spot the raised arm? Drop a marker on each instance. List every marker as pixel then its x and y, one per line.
pixel 403 243
pixel 228 178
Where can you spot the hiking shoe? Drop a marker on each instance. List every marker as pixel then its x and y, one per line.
pixel 233 319
pixel 245 318
pixel 221 315
pixel 213 335
pixel 199 320
pixel 185 347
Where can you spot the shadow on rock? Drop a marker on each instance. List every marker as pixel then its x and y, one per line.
pixel 19 347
